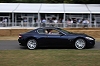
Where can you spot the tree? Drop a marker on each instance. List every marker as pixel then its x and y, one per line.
pixel 6 1
pixel 52 1
pixel 87 1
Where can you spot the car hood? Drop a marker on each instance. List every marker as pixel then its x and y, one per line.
pixel 78 34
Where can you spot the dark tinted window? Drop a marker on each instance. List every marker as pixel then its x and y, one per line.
pixel 41 31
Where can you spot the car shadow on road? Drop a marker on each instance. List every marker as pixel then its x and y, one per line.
pixel 44 48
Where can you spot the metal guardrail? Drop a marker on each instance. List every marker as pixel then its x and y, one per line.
pixel 27 24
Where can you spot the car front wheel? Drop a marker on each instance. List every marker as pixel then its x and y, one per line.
pixel 31 44
pixel 80 43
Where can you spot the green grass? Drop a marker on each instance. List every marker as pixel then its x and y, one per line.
pixel 50 57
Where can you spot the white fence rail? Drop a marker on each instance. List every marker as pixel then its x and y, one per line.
pixel 27 24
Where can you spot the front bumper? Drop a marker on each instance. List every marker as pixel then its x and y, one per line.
pixel 90 43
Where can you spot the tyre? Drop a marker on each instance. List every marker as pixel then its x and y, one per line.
pixel 31 44
pixel 80 43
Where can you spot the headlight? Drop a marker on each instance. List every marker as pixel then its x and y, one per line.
pixel 89 38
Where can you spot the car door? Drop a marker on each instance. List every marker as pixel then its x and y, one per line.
pixel 56 39
pixel 42 37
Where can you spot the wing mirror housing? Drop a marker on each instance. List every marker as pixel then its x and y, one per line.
pixel 61 34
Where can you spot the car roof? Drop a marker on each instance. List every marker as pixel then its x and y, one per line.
pixel 48 28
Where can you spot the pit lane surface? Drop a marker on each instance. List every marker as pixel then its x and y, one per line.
pixel 14 45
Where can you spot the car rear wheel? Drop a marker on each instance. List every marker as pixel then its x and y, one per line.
pixel 31 44
pixel 80 43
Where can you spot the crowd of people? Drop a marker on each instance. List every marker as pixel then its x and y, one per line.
pixel 4 22
pixel 70 22
pixel 80 22
pixel 51 21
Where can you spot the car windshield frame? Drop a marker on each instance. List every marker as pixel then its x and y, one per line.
pixel 64 31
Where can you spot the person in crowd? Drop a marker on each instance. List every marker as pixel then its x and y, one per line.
pixel 55 22
pixel 63 20
pixel 78 22
pixel 85 22
pixel 50 22
pixel 36 22
pixel 60 23
pixel 43 22
pixel 74 22
pixel 4 21
pixel 69 22
pixel 25 21
pixel 60 20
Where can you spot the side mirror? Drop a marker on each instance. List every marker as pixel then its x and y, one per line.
pixel 61 34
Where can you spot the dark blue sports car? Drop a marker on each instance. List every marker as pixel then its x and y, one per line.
pixel 55 37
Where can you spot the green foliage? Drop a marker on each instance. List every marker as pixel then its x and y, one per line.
pixel 52 1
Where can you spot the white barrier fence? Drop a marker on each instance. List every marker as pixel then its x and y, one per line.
pixel 28 24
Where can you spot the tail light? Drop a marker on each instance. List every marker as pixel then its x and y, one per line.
pixel 20 35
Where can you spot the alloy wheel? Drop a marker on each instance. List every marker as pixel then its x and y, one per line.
pixel 80 44
pixel 31 44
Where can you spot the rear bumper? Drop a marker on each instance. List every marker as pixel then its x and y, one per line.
pixel 22 42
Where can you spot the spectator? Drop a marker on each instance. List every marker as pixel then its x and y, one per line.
pixel 69 22
pixel 51 22
pixel 36 22
pixel 55 22
pixel 25 21
pixel 85 23
pixel 60 20
pixel 4 21
pixel 74 22
pixel 44 22
pixel 78 21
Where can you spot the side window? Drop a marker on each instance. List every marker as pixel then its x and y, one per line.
pixel 41 31
pixel 55 32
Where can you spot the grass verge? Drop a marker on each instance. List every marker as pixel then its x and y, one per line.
pixel 50 57
pixel 8 37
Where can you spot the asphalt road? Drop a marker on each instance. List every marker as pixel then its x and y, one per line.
pixel 14 45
